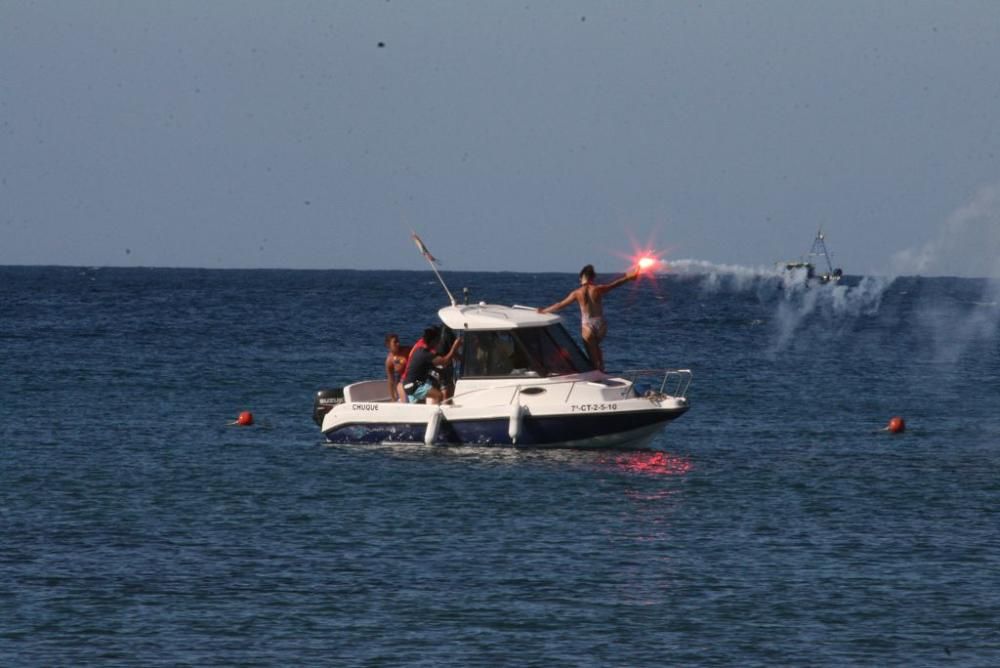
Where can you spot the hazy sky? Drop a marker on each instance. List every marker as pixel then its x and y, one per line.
pixel 522 136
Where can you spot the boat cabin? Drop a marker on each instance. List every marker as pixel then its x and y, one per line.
pixel 513 341
pixel 807 267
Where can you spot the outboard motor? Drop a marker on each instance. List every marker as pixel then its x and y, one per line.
pixel 324 401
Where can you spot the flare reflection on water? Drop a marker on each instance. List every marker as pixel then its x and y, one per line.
pixel 654 463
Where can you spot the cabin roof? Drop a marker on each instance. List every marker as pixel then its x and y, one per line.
pixel 482 316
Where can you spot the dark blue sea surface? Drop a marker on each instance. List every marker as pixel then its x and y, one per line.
pixel 775 524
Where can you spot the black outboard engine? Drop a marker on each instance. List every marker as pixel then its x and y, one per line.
pixel 324 401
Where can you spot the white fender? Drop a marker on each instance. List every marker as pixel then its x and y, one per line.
pixel 514 428
pixel 433 423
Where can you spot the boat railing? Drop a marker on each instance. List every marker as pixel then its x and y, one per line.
pixel 672 382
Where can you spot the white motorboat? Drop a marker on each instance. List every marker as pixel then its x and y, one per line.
pixel 521 380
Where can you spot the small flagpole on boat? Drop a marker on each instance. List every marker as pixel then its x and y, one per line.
pixel 433 262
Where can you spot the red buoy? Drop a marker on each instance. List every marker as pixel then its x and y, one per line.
pixel 896 425
pixel 245 419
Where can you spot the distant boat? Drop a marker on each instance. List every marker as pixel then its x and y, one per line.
pixel 818 253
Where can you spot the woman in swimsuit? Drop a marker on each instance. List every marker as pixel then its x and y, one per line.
pixel 593 327
pixel 395 365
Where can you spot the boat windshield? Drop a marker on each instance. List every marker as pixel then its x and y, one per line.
pixel 527 351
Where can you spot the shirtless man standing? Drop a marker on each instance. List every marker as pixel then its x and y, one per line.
pixel 593 327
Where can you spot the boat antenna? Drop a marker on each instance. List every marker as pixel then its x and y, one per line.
pixel 820 243
pixel 433 262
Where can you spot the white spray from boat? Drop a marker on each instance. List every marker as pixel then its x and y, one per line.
pixel 794 296
pixel 968 244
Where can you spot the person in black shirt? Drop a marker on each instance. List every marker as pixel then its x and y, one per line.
pixel 445 374
pixel 419 383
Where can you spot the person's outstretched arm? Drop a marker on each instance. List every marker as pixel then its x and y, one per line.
pixel 441 360
pixel 570 298
pixel 630 276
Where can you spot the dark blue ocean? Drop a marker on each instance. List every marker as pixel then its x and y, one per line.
pixel 774 524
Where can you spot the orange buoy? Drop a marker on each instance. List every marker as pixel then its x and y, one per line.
pixel 896 425
pixel 245 419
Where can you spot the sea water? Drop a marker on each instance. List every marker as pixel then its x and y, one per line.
pixel 773 524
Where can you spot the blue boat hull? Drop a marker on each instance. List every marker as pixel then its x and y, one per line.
pixel 599 430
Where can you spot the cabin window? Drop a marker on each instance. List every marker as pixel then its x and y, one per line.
pixel 493 354
pixel 534 351
pixel 558 343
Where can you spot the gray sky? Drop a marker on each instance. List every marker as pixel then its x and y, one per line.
pixel 522 136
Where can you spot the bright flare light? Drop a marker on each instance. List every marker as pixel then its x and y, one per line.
pixel 645 261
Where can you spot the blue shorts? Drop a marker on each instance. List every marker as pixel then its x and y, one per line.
pixel 420 393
